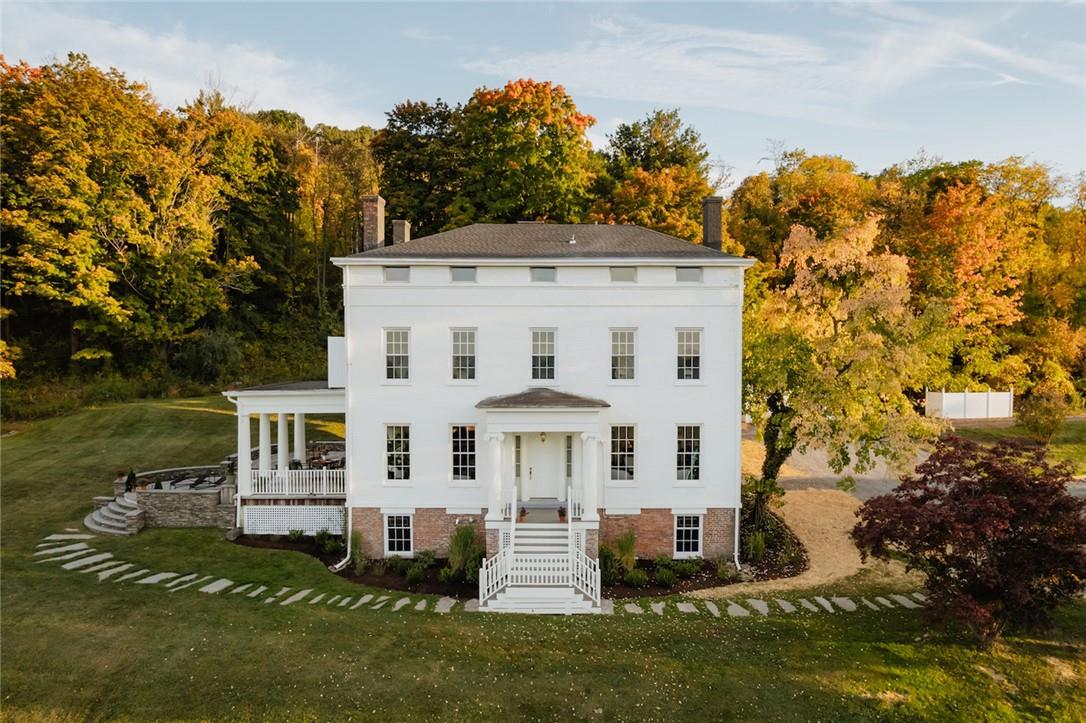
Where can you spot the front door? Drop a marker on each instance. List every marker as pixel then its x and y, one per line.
pixel 541 471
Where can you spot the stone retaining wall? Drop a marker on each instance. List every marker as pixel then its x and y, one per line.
pixel 175 508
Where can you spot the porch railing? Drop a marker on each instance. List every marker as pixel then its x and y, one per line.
pixel 314 482
pixel 583 571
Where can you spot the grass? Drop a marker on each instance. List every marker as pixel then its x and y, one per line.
pixel 76 649
pixel 1069 443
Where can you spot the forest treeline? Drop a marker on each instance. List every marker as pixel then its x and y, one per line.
pixel 149 251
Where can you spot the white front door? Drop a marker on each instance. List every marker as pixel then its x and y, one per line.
pixel 542 470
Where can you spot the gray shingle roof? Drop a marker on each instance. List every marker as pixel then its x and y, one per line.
pixel 546 240
pixel 541 397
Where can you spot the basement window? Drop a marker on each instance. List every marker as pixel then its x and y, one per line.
pixel 687 535
pixel 398 535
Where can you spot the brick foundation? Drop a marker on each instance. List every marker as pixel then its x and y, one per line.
pixel 431 528
pixel 655 532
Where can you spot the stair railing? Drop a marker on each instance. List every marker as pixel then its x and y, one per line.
pixel 495 572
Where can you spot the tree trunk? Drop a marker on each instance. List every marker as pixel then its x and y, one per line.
pixel 778 437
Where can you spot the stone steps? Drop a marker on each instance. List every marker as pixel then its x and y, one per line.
pixel 112 518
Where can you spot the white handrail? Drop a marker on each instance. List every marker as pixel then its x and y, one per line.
pixel 299 482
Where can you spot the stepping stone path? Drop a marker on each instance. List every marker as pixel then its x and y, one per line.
pixel 296 597
pixel 737 611
pixel 760 605
pixel 69 546
pixel 904 602
pixel 220 585
pixel 87 561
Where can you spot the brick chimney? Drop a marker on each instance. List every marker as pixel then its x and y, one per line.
pixel 712 222
pixel 401 231
pixel 373 222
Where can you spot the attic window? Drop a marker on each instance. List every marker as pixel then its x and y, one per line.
pixel 463 273
pixel 624 273
pixel 544 273
pixel 398 273
pixel 689 274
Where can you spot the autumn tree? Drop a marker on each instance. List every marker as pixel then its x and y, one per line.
pixel 528 156
pixel 993 530
pixel 832 352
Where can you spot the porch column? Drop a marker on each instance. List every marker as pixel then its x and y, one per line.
pixel 494 509
pixel 590 477
pixel 282 444
pixel 298 452
pixel 244 464
pixel 264 459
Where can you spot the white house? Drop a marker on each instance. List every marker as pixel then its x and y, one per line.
pixel 504 371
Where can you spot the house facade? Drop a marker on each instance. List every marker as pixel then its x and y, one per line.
pixel 553 385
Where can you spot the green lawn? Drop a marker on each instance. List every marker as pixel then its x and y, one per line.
pixel 1069 443
pixel 76 649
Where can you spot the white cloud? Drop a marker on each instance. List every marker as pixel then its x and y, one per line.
pixel 424 35
pixel 882 49
pixel 177 66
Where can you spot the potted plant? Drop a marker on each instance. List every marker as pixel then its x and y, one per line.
pixel 561 513
pixel 522 514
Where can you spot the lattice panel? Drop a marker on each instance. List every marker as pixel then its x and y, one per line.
pixel 280 520
pixel 504 539
pixel 578 539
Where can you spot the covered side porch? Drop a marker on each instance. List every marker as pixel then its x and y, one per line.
pixel 292 468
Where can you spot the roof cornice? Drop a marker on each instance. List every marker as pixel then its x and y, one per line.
pixel 730 261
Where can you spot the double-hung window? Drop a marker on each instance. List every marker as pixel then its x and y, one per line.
pixel 688 364
pixel 463 452
pixel 398 535
pixel 688 453
pixel 622 453
pixel 543 354
pixel 623 362
pixel 397 452
pixel 397 354
pixel 463 354
pixel 687 535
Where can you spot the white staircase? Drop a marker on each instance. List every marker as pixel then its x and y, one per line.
pixel 541 571
pixel 112 518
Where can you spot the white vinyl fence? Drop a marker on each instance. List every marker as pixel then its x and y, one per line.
pixel 969 405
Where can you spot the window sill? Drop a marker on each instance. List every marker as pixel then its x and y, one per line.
pixel 623 383
pixel 463 383
pixel 465 484
pixel 406 555
pixel 687 555
pixel 549 383
pixel 689 483
pixel 690 382
pixel 396 383
pixel 621 483
pixel 397 483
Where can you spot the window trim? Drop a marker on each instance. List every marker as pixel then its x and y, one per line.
pixel 534 280
pixel 384 355
pixel 553 380
pixel 474 381
pixel 610 481
pixel 453 481
pixel 384 274
pixel 679 481
pixel 411 534
pixel 474 275
pixel 701 357
pixel 610 357
pixel 392 481
pixel 675 537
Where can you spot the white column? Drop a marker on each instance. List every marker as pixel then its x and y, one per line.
pixel 282 444
pixel 264 458
pixel 245 460
pixel 591 476
pixel 494 444
pixel 299 437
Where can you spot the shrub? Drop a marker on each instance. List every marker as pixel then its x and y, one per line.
pixel 756 546
pixel 359 559
pixel 726 571
pixel 687 568
pixel 636 578
pixel 378 568
pixel 426 558
pixel 399 565
pixel 465 553
pixel 1042 413
pixel 626 550
pixel 994 531
pixel 158 484
pixel 296 535
pixel 333 545
pixel 446 575
pixel 415 574
pixel 321 537
pixel 610 570
pixel 663 561
pixel 665 577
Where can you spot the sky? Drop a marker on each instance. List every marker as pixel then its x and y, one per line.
pixel 878 84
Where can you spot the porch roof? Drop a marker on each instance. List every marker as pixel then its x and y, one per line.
pixel 289 397
pixel 541 398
